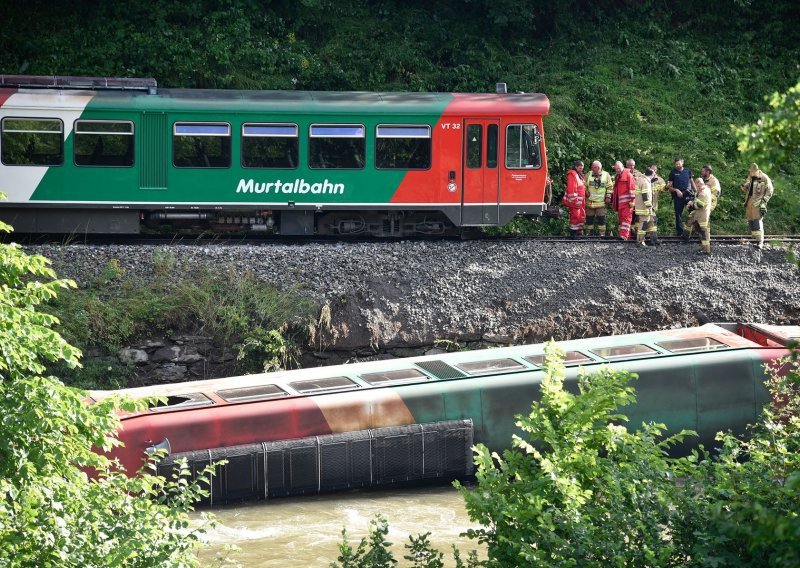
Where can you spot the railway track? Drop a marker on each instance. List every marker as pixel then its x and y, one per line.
pixel 233 240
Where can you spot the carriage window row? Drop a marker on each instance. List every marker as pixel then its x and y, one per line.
pixel 474 368
pixel 110 143
pixel 39 142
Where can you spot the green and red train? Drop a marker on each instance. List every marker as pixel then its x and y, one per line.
pixel 96 155
pixel 416 419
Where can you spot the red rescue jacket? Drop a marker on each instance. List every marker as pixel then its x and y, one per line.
pixel 624 190
pixel 575 194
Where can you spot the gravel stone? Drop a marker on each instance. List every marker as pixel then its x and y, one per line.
pixel 407 294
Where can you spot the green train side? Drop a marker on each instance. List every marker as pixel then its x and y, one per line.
pixel 109 155
pixel 416 419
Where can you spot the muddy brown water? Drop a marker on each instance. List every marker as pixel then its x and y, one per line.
pixel 306 531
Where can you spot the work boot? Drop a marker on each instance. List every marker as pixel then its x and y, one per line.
pixel 573 235
pixel 654 242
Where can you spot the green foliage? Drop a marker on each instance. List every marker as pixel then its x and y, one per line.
pixel 626 79
pixel 116 308
pixel 51 512
pixel 775 138
pixel 373 551
pixel 743 508
pixel 579 489
pixel 422 554
pixel 269 349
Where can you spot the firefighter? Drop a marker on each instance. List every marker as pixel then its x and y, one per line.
pixel 758 188
pixel 622 199
pixel 574 198
pixel 600 186
pixel 630 165
pixel 712 183
pixel 700 216
pixel 643 206
pixel 657 185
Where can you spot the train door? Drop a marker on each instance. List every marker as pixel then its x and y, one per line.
pixel 153 151
pixel 481 174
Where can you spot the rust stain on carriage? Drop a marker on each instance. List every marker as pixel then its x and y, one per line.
pixel 345 413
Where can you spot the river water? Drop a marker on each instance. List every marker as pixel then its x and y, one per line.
pixel 306 531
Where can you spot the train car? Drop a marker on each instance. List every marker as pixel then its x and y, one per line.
pixel 95 155
pixel 416 419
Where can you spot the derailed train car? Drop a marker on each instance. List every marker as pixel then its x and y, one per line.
pixel 416 419
pixel 97 155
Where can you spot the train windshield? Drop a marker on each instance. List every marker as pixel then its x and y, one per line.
pixel 522 146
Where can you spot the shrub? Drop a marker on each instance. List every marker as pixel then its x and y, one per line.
pixel 51 512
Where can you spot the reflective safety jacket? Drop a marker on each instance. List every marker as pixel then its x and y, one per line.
pixel 702 205
pixel 658 185
pixel 575 193
pixel 624 190
pixel 643 203
pixel 600 187
pixel 758 190
pixel 712 183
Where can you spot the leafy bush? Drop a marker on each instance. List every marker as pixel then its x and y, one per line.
pixel 373 551
pixel 51 512
pixel 580 489
pixel 743 507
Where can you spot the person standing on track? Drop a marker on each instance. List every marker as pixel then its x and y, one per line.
pixel 575 199
pixel 700 217
pixel 759 190
pixel 600 186
pixel 643 205
pixel 681 184
pixel 712 183
pixel 657 184
pixel 622 199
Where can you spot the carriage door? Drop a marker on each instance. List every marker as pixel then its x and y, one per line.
pixel 481 173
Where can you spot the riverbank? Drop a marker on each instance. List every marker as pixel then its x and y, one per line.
pixel 405 298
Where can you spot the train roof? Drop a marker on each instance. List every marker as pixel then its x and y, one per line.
pixel 298 102
pixel 616 349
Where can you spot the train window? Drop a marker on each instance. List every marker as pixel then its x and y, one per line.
pixel 490 366
pixel 403 375
pixel 692 345
pixel 401 147
pixel 201 145
pixel 270 146
pixel 491 146
pixel 522 146
pixel 624 352
pixel 323 385
pixel 570 358
pixel 337 146
pixel 474 145
pixel 104 143
pixel 252 393
pixel 187 400
pixel 32 141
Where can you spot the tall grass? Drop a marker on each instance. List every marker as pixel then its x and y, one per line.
pixel 234 308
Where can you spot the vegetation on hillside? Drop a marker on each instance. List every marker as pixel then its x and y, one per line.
pixel 627 79
pixel 262 325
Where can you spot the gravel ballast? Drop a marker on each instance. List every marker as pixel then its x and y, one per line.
pixel 406 294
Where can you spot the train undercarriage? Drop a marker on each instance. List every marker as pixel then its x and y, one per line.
pixel 292 222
